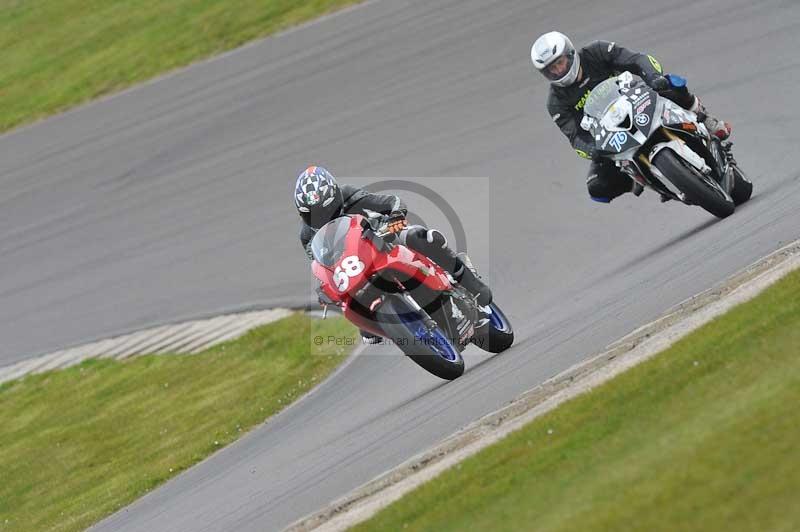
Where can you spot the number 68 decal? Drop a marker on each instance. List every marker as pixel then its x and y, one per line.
pixel 349 267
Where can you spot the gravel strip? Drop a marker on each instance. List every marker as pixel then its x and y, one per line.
pixel 189 337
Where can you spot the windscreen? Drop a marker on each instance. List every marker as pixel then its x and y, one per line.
pixel 601 97
pixel 328 244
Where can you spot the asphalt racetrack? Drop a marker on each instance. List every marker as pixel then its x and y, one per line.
pixel 173 200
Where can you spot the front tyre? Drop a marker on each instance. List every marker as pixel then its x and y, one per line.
pixel 742 187
pixel 417 335
pixel 496 335
pixel 699 189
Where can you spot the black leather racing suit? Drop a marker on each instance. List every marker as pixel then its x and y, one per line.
pixel 355 201
pixel 599 61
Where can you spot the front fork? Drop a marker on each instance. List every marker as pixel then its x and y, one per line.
pixel 721 155
pixel 430 323
pixel 457 323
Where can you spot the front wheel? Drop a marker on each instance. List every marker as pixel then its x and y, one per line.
pixel 418 336
pixel 700 190
pixel 742 187
pixel 496 335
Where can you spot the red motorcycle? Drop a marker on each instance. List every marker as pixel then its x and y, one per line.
pixel 392 291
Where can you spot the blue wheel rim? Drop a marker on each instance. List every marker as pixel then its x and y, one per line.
pixel 497 319
pixel 435 340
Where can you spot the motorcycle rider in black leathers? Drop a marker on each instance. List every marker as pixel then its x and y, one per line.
pixel 574 73
pixel 319 199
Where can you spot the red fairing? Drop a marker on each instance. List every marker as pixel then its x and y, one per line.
pixel 353 268
pixel 325 278
pixel 414 264
pixel 361 260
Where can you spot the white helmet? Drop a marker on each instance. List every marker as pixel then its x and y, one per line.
pixel 550 47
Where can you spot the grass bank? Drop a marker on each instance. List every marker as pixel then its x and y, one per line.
pixel 702 437
pixel 57 54
pixel 77 444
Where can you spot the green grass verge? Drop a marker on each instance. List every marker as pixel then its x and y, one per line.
pixel 77 444
pixel 702 437
pixel 58 53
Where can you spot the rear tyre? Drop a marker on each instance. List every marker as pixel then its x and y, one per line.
pixel 700 190
pixel 426 344
pixel 742 187
pixel 497 335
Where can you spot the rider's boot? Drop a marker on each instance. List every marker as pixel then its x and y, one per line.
pixel 467 276
pixel 466 261
pixel 715 126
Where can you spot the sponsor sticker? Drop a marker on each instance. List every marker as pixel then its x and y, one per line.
pixel 642 119
pixel 582 101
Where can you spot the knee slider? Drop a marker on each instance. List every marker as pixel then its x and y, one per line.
pixel 596 187
pixel 598 190
pixel 420 238
pixel 435 238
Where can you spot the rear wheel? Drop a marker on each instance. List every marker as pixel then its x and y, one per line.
pixel 418 336
pixel 699 189
pixel 496 335
pixel 742 187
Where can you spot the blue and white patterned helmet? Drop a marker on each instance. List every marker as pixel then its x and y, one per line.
pixel 317 196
